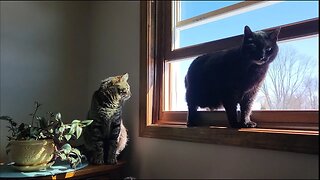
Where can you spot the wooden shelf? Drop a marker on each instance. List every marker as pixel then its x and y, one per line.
pixel 90 172
pixel 94 171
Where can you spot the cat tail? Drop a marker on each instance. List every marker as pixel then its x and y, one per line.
pixel 122 139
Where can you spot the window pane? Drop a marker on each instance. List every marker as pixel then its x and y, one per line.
pixel 293 78
pixel 262 18
pixel 292 81
pixel 190 9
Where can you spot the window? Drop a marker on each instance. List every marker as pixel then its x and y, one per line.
pixel 170 40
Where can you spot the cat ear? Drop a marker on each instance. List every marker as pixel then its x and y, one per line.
pixel 274 34
pixel 125 77
pixel 247 32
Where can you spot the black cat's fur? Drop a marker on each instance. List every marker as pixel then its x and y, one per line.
pixel 230 77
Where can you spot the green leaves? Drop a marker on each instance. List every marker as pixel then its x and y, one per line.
pixel 67 131
pixel 86 122
pixel 43 122
pixel 58 117
pixel 78 132
pixel 68 153
pixel 61 129
pixel 76 121
pixel 50 126
pixel 66 148
pixel 67 136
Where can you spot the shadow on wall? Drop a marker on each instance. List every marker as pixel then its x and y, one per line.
pixel 44 57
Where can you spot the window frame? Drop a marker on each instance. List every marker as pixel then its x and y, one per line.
pixel 155 123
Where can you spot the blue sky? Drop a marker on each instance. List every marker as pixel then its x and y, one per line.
pixel 270 16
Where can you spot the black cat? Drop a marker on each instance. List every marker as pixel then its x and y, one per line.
pixel 232 76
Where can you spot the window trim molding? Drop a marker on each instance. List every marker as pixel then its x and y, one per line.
pixel 283 140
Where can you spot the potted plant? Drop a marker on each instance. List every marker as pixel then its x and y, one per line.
pixel 44 140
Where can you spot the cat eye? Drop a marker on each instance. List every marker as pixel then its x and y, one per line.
pixel 269 49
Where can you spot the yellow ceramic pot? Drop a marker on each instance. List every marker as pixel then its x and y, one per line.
pixel 31 152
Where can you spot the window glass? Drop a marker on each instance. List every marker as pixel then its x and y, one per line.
pixel 292 81
pixel 190 9
pixel 270 16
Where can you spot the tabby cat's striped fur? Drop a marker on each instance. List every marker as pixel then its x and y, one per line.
pixel 106 137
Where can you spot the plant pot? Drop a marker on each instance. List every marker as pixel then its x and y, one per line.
pixel 30 152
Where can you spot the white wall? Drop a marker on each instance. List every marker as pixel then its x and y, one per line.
pixel 44 56
pixel 114 49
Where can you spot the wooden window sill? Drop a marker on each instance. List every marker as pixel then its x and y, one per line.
pixel 300 141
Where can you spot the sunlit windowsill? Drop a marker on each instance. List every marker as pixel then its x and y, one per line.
pixel 300 141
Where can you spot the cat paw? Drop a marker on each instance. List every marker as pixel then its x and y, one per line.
pixel 97 161
pixel 190 124
pixel 235 126
pixel 112 161
pixel 249 124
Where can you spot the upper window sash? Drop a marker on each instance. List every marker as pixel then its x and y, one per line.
pixel 290 31
pixel 215 15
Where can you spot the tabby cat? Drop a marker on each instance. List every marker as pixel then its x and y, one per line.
pixel 231 77
pixel 106 137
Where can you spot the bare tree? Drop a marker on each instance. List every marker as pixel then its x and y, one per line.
pixel 311 97
pixel 290 83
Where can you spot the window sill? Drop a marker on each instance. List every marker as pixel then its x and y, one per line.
pixel 300 141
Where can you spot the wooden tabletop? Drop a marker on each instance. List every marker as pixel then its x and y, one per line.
pixel 105 171
pixel 91 171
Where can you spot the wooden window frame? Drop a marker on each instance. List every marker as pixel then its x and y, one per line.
pixel 155 123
